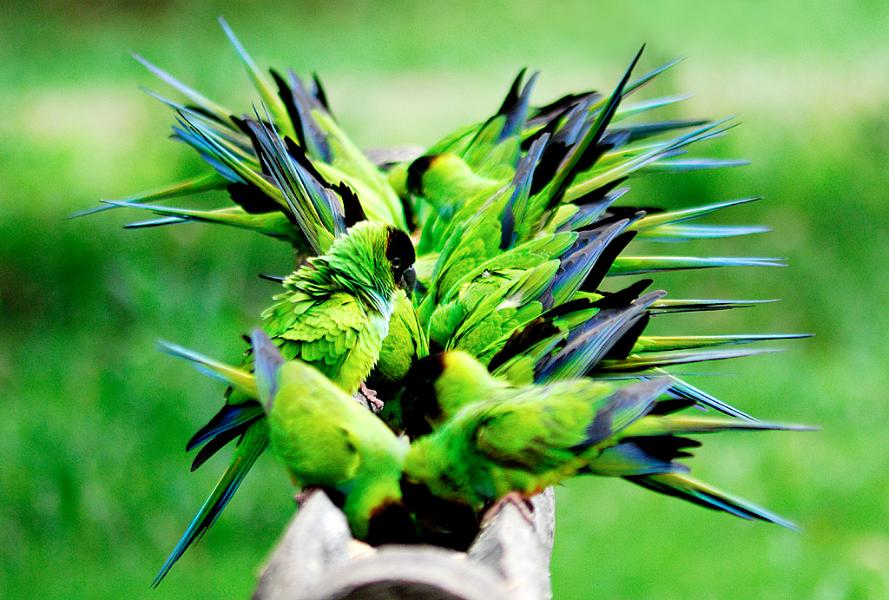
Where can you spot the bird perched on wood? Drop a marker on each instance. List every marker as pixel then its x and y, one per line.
pixel 478 439
pixel 322 436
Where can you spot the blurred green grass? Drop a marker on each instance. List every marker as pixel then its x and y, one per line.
pixel 94 482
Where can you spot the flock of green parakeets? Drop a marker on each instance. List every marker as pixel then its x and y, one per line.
pixel 460 329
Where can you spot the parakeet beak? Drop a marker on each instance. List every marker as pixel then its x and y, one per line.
pixel 408 280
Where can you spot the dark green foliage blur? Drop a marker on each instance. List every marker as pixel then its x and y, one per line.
pixel 94 479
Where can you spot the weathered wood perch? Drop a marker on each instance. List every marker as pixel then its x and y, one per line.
pixel 317 559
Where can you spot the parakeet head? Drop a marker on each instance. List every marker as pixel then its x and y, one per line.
pixel 437 176
pixel 438 385
pixel 430 466
pixel 401 256
pixel 372 261
pixel 415 172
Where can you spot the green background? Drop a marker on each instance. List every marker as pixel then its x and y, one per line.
pixel 94 481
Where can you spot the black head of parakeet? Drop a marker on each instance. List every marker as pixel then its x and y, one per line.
pixel 415 172
pixel 401 256
pixel 419 402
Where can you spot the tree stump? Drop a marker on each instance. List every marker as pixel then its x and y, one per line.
pixel 317 559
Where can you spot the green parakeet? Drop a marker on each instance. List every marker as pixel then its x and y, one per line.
pixel 478 438
pixel 522 440
pixel 322 436
pixel 335 310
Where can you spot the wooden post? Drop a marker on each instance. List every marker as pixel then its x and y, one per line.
pixel 317 559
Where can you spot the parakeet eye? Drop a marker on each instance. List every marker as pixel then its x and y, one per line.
pixel 400 252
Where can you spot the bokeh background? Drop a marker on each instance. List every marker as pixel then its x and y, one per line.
pixel 94 483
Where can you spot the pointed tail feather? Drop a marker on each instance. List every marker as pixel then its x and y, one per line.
pixel 680 305
pixel 684 165
pixel 687 214
pixel 679 233
pixel 252 445
pixel 697 492
pixel 238 378
pixel 690 342
pixel 685 391
pixel 568 169
pixel 194 185
pixel 218 111
pixel 589 343
pixel 636 265
pixel 232 417
pixel 273 224
pixel 268 93
pixel 654 425
pixel 628 459
pixel 631 403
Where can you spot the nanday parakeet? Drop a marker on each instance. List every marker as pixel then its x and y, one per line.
pixel 322 436
pixel 478 438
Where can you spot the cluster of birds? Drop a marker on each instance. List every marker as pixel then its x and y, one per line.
pixel 447 341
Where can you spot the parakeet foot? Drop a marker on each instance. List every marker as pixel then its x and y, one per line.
pixel 301 496
pixel 524 506
pixel 373 401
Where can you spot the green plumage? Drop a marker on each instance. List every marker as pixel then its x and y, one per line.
pixel 405 344
pixel 523 439
pixel 521 223
pixel 317 431
pixel 333 315
pixel 334 312
pixel 479 439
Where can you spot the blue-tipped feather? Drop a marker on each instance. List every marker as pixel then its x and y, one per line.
pixel 568 169
pixel 208 105
pixel 598 177
pixel 231 417
pixel 685 391
pixel 514 211
pixel 687 214
pixel 315 207
pixel 238 378
pixel 678 233
pixel 590 342
pixel 252 445
pixel 577 265
pixel 685 165
pixel 689 489
pixel 629 109
pixel 650 360
pixel 637 84
pixel 637 265
pixel 260 82
pixel 192 185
